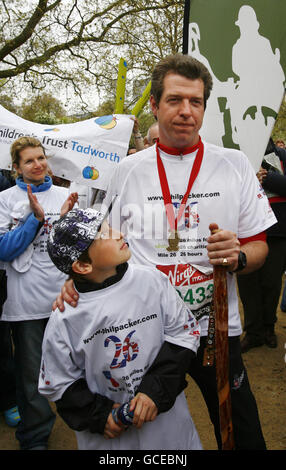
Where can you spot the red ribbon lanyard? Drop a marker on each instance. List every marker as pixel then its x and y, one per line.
pixel 173 222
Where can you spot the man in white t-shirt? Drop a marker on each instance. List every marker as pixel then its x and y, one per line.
pixel 170 196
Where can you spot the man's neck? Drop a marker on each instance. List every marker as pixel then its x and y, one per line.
pixel 179 144
pixel 179 150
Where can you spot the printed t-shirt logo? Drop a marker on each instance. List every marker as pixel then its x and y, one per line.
pixel 190 217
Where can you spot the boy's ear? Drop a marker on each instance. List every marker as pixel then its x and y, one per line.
pixel 81 267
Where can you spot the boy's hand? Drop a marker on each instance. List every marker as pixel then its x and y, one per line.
pixel 112 429
pixel 144 409
pixel 68 294
pixel 69 203
pixel 36 208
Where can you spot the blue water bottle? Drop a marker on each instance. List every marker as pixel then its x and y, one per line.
pixel 123 414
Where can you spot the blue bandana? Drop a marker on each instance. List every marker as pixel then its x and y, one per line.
pixel 71 235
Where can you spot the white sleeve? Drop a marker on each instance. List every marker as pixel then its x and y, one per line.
pixel 58 370
pixel 256 214
pixel 180 326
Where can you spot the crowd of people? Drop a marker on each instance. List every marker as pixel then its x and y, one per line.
pixel 147 256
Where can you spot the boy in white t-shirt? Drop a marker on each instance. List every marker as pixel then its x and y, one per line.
pixel 97 356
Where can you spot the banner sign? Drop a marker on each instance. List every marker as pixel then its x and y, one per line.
pixel 85 152
pixel 243 45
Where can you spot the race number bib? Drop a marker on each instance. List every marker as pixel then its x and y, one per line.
pixel 194 287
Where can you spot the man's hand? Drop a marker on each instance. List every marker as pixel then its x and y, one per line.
pixel 223 245
pixel 261 175
pixel 69 203
pixel 144 409
pixel 112 429
pixel 36 208
pixel 68 294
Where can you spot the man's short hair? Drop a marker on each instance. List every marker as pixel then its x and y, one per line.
pixel 21 144
pixel 180 64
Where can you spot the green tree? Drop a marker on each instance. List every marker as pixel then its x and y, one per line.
pixel 8 103
pixel 44 108
pixel 279 130
pixel 47 43
pixel 143 40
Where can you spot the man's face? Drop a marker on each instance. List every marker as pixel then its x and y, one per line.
pixel 180 111
pixel 33 165
pixel 280 144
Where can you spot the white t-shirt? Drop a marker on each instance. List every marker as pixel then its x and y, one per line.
pixel 226 192
pixel 30 294
pixel 110 340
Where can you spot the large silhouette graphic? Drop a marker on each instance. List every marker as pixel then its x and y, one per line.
pixel 241 110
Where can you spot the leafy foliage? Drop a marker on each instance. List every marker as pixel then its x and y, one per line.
pixel 43 108
pixel 279 130
pixel 74 45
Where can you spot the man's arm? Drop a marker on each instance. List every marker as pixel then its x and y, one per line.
pixel 224 244
pixel 256 252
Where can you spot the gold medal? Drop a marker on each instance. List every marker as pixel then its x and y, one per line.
pixel 173 240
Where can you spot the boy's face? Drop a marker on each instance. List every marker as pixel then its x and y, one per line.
pixel 109 249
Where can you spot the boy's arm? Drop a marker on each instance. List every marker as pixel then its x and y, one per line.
pixel 83 410
pixel 165 379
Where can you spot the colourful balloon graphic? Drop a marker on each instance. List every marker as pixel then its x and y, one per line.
pixel 106 122
pixel 95 174
pixel 89 172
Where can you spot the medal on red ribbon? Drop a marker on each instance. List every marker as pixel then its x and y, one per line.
pixel 174 237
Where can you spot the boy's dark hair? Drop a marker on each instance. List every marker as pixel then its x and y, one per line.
pixel 180 64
